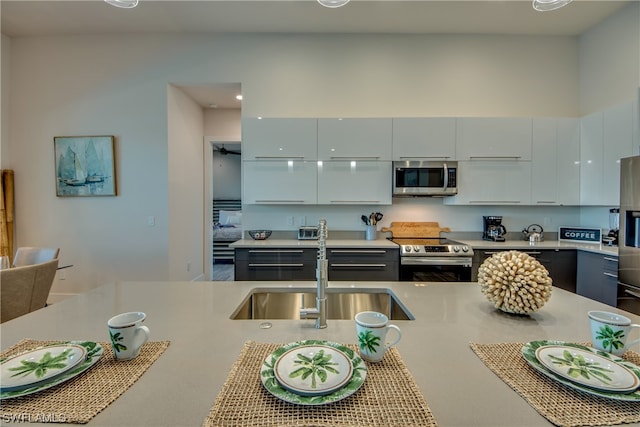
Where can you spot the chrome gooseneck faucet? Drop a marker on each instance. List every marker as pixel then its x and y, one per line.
pixel 320 311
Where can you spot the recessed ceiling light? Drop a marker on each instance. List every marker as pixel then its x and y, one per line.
pixel 333 3
pixel 125 4
pixel 239 97
pixel 547 5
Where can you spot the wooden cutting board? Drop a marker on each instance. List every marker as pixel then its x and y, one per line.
pixel 415 229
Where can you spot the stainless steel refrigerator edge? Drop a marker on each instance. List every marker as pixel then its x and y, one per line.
pixel 629 238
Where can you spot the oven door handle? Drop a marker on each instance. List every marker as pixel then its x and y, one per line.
pixel 465 262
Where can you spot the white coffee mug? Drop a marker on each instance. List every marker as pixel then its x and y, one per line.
pixel 128 334
pixel 372 328
pixel 609 332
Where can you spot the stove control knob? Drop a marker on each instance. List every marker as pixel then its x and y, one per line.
pixel 406 248
pixel 465 248
pixel 456 249
pixel 416 248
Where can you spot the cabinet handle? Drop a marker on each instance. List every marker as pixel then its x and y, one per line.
pixel 610 259
pixel 279 157
pixel 354 201
pixel 424 157
pixel 615 276
pixel 360 265
pixel 275 251
pixel 356 251
pixel 276 265
pixel 496 202
pixel 633 294
pixel 495 157
pixel 533 253
pixel 279 201
pixel 354 158
pixel 546 202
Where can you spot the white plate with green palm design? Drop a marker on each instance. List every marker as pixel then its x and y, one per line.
pixel 529 354
pixel 38 365
pixel 355 364
pixel 93 353
pixel 313 370
pixel 587 368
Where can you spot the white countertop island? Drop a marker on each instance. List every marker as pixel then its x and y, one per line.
pixel 181 386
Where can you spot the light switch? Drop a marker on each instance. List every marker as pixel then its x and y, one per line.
pixel 151 221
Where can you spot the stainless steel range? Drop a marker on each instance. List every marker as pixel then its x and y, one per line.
pixel 434 260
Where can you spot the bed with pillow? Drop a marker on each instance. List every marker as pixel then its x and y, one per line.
pixel 227 228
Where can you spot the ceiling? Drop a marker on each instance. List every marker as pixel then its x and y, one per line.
pixel 24 18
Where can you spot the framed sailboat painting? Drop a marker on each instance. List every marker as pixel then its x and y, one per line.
pixel 85 166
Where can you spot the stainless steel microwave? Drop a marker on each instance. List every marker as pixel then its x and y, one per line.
pixel 425 178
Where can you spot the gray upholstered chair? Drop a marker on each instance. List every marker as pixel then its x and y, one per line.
pixel 27 255
pixel 25 289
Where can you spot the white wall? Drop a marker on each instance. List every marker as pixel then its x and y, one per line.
pixel 610 61
pixel 222 124
pixel 117 85
pixel 186 186
pixel 5 50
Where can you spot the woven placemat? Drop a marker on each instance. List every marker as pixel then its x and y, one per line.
pixel 561 405
pixel 83 397
pixel 388 397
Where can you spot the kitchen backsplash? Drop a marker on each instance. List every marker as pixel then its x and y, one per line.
pixel 458 218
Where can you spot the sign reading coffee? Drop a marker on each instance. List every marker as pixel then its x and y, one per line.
pixel 580 234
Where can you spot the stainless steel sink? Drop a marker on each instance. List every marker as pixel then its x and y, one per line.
pixel 342 304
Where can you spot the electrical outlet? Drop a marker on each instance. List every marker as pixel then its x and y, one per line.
pixel 188 266
pixel 151 221
pixel 62 275
pixel 547 220
pixel 290 220
pixel 302 220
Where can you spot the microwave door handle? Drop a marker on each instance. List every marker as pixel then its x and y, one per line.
pixel 446 177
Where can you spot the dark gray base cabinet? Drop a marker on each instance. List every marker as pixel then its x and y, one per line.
pixel 360 264
pixel 561 264
pixel 598 277
pixel 345 264
pixel 275 264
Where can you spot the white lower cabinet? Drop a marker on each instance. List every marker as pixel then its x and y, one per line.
pixel 279 182
pixel 350 182
pixel 492 183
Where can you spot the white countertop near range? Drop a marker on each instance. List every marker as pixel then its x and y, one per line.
pixel 331 243
pixel 385 243
pixel 551 244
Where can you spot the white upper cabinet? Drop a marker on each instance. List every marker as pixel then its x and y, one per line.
pixel 555 172
pixel 492 182
pixel 568 161
pixel 618 143
pixel 506 138
pixel 424 138
pixel 350 182
pixel 279 182
pixel 355 138
pixel 605 138
pixel 279 138
pixel 591 146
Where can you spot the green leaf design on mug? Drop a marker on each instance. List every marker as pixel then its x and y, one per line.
pixel 369 341
pixel 320 365
pixel 116 345
pixel 39 369
pixel 610 339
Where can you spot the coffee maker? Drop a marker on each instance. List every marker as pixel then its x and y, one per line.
pixel 614 227
pixel 493 229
